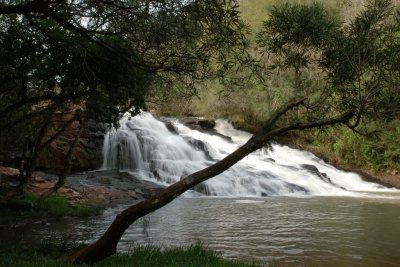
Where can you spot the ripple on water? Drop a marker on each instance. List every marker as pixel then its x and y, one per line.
pixel 315 231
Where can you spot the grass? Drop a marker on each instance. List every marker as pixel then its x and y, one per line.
pixel 58 206
pixel 51 255
pixel 52 206
pixel 376 153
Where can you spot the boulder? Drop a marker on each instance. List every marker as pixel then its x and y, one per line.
pixel 323 176
pixel 199 124
pixel 170 126
pixel 201 146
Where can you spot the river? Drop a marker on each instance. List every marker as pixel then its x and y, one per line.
pixel 307 231
pixel 278 205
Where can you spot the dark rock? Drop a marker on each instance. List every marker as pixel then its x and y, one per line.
pixel 199 145
pixel 269 159
pixel 206 124
pixel 170 126
pixel 310 168
pixel 296 188
pixel 194 123
pixel 269 190
pixel 198 123
pixel 314 170
pixel 323 176
pixel 202 188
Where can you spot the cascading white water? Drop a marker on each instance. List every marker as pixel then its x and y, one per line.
pixel 146 147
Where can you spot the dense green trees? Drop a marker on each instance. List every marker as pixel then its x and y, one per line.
pixel 104 56
pixel 357 61
pixel 296 38
pixel 101 58
pixel 353 65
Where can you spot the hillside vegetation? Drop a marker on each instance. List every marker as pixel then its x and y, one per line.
pixel 374 148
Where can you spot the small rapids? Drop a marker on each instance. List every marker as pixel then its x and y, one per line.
pixel 146 147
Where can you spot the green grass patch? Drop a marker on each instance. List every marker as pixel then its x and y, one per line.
pixel 58 206
pixel 52 255
pixel 52 206
pixel 375 152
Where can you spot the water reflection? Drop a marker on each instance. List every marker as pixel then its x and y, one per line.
pixel 317 231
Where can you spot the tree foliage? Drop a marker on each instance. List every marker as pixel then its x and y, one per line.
pixel 362 62
pixel 102 58
pixel 357 62
pixel 107 53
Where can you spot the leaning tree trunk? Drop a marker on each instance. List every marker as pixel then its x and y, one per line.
pixel 107 244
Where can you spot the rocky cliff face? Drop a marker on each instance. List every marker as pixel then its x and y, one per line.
pixel 88 153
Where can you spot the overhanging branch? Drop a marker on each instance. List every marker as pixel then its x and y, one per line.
pixel 107 244
pixel 280 112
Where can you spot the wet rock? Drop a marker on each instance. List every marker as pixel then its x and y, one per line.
pixel 271 188
pixel 202 188
pixel 294 188
pixel 310 168
pixel 198 123
pixel 199 145
pixel 314 170
pixel 107 187
pixel 323 176
pixel 269 159
pixel 105 195
pixel 170 126
pixel 206 124
pixel 139 191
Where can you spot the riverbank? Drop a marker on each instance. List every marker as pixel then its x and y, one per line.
pixel 51 255
pixel 375 161
pixel 388 178
pixel 84 194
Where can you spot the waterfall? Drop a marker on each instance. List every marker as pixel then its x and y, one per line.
pixel 144 146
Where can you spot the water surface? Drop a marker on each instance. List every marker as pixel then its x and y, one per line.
pixel 312 231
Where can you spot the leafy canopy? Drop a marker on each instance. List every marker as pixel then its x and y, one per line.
pixel 108 53
pixel 357 61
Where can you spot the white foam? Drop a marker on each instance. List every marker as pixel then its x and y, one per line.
pixel 144 145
